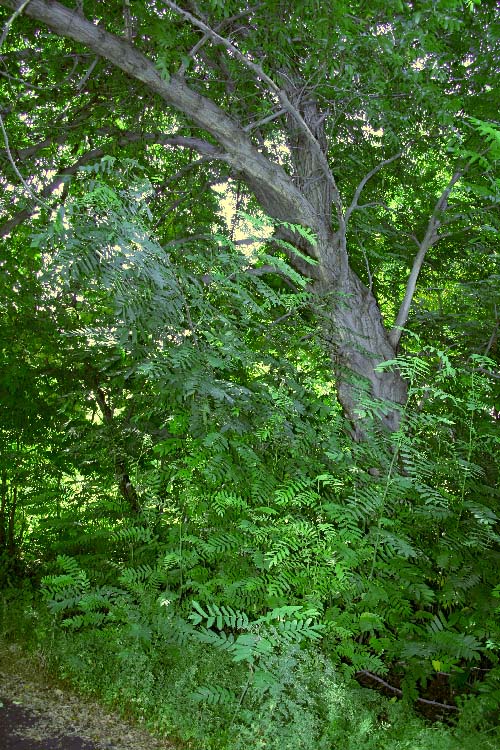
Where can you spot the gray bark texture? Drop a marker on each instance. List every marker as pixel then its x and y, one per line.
pixel 353 325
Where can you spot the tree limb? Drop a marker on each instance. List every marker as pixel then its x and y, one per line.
pixel 273 87
pixel 430 238
pixel 366 178
pixel 196 144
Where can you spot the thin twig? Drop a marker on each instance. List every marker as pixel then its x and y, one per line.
pixel 282 317
pixel 488 373
pixel 264 121
pixel 81 83
pixel 186 194
pixel 368 269
pixel 33 86
pixel 185 63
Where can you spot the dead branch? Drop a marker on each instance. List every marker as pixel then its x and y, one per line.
pixel 399 692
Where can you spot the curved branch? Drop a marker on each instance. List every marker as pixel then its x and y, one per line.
pixel 6 28
pixel 196 144
pixel 259 72
pixel 268 180
pixel 360 188
pixel 34 197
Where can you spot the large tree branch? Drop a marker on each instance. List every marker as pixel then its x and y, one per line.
pixel 430 238
pixel 268 180
pixel 33 150
pixel 196 144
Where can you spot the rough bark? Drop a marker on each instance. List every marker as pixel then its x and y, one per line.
pixel 358 342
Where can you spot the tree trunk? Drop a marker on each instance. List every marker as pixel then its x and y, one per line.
pixel 354 333
pixel 358 343
pixel 127 489
pixel 353 328
pixel 11 538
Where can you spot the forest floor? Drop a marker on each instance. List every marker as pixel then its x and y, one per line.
pixel 36 713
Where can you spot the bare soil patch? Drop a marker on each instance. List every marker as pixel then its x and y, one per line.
pixel 37 714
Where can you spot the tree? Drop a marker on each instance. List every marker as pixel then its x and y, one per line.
pixel 307 111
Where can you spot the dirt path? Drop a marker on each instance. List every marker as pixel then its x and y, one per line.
pixel 35 714
pixel 19 728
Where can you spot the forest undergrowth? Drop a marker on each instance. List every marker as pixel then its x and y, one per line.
pixel 240 607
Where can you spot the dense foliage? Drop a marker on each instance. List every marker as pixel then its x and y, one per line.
pixel 209 515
